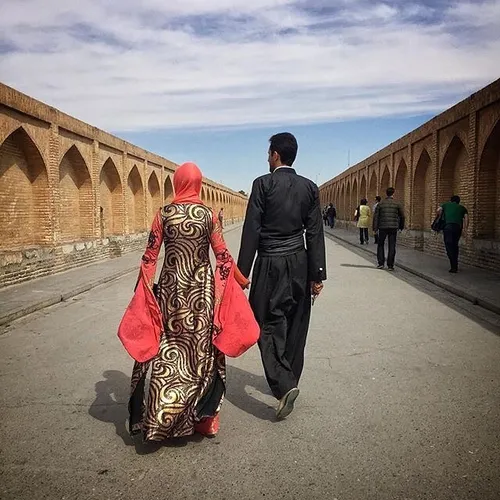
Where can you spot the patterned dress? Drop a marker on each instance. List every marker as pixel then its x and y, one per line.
pixel 188 374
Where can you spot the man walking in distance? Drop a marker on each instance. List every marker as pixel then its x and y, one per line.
pixel 378 199
pixel 456 220
pixel 287 275
pixel 389 217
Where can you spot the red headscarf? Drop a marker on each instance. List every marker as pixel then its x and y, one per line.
pixel 187 184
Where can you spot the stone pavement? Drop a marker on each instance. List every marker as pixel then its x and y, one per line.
pixel 19 300
pixel 479 286
pixel 399 400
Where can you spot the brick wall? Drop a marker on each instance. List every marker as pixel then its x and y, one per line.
pixel 71 194
pixel 457 152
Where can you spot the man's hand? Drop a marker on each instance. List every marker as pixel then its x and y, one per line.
pixel 316 288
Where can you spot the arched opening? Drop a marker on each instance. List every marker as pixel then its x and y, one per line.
pixel 341 207
pixel 453 171
pixel 422 193
pixel 348 202
pixel 401 181
pixel 372 189
pixel 355 197
pixel 203 195
pixel 135 201
pixel 24 194
pixel 488 189
pixel 362 191
pixel 154 196
pixel 168 190
pixel 76 210
pixel 386 181
pixel 111 209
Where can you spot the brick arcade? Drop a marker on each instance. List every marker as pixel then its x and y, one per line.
pixel 457 152
pixel 71 194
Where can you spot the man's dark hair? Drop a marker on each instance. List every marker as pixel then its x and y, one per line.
pixel 390 191
pixel 364 201
pixel 378 198
pixel 286 146
pixel 455 198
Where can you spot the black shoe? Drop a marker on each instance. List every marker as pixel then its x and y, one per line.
pixel 380 266
pixel 453 271
pixel 391 268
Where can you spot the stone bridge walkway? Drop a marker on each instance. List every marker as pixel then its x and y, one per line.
pixel 400 399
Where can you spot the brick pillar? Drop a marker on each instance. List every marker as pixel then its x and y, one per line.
pixel 99 229
pixel 123 167
pixel 53 178
pixel 411 187
pixel 433 154
pixel 472 173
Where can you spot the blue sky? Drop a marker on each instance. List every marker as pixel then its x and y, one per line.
pixel 211 80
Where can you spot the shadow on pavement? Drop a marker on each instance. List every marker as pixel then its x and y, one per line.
pixel 237 381
pixel 111 406
pixel 111 400
pixel 360 266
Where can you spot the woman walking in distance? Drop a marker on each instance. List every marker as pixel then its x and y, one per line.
pixel 363 216
pixel 188 373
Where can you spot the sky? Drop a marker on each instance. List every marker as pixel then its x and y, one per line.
pixel 211 80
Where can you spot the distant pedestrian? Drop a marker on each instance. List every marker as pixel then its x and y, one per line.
pixel 378 199
pixel 331 214
pixel 389 217
pixel 325 215
pixel 456 220
pixel 363 216
pixel 221 218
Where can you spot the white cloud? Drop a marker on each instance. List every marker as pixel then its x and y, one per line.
pixel 198 63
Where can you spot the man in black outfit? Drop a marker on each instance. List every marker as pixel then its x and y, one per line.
pixel 388 218
pixel 283 206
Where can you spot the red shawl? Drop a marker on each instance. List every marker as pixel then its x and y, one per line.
pixel 187 184
pixel 234 326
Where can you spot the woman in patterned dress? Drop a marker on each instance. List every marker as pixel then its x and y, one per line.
pixel 188 374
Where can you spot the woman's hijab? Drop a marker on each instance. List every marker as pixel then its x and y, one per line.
pixel 187 184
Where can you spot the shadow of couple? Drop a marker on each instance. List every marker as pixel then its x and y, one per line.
pixel 112 395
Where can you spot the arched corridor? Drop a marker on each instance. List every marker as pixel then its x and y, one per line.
pixel 422 193
pixel 453 171
pixel 111 196
pixel 24 193
pixel 135 205
pixel 401 183
pixel 488 190
pixel 76 217
pixel 154 197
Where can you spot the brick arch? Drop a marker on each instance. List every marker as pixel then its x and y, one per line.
pixel 452 175
pixel 76 208
pixel 385 181
pixel 168 190
pixel 363 193
pixel 24 193
pixel 135 201
pixel 154 196
pixel 488 189
pixel 111 195
pixel 372 188
pixel 422 207
pixel 401 182
pixel 341 207
pixel 348 201
pixel 354 197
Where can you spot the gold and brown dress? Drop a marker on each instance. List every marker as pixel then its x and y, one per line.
pixel 188 374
